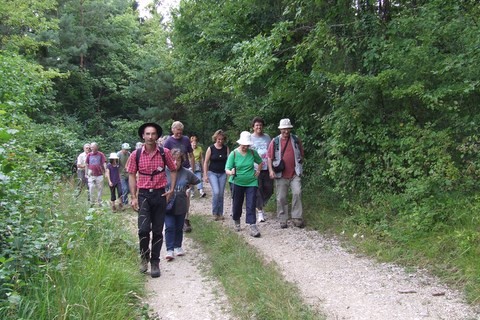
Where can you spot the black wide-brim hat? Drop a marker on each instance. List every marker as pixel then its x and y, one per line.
pixel 149 124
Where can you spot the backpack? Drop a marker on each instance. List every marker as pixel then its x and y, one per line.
pixel 156 171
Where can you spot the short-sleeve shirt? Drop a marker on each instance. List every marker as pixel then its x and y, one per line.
pixel 197 154
pixel 260 143
pixel 183 144
pixel 95 162
pixel 185 178
pixel 147 164
pixel 288 156
pixel 122 161
pixel 244 168
pixel 82 157
pixel 114 173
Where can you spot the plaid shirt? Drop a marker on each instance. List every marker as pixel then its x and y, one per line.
pixel 147 164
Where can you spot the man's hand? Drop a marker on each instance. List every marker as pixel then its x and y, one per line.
pixel 134 203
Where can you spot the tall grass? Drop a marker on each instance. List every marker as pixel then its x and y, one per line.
pixel 97 275
pixel 255 289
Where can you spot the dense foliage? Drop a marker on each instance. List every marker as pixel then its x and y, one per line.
pixel 383 93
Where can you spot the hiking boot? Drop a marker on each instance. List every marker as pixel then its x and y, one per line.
pixel 298 223
pixel 236 225
pixel 155 269
pixel 143 266
pixel 254 231
pixel 114 209
pixel 260 216
pixel 283 225
pixel 186 226
pixel 179 252
pixel 169 256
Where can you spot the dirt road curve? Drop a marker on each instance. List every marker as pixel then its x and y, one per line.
pixel 332 280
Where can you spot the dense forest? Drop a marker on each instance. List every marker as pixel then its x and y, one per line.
pixel 384 94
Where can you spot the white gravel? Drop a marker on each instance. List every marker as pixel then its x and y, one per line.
pixel 337 283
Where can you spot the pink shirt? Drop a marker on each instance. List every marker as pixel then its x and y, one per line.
pixel 148 163
pixel 95 163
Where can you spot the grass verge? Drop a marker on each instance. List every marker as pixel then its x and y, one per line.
pixel 255 289
pixel 95 276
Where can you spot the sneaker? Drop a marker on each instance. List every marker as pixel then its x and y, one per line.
pixel 179 252
pixel 298 223
pixel 155 269
pixel 169 256
pixel 283 225
pixel 236 225
pixel 254 231
pixel 186 226
pixel 143 266
pixel 260 216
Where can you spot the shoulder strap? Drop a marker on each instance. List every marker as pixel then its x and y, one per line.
pixel 138 152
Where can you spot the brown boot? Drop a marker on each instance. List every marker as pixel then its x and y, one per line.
pixel 114 209
pixel 120 206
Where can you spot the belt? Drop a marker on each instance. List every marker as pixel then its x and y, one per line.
pixel 151 190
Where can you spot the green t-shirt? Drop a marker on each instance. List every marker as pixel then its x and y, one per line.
pixel 197 154
pixel 122 161
pixel 243 164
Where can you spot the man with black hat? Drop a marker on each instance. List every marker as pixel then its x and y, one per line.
pixel 148 195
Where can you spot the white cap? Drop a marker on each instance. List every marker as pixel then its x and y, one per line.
pixel 113 155
pixel 285 124
pixel 245 139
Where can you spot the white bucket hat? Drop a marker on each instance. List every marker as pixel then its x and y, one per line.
pixel 125 146
pixel 285 124
pixel 113 155
pixel 245 139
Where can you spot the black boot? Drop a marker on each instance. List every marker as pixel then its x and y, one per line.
pixel 155 269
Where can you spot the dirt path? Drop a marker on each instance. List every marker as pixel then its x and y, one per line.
pixel 331 280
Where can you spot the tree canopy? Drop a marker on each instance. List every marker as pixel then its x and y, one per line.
pixel 384 94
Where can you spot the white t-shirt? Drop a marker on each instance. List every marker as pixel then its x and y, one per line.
pixel 82 157
pixel 260 143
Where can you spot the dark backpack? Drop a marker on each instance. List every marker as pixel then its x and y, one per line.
pixel 155 172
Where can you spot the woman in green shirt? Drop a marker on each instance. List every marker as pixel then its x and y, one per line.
pixel 244 180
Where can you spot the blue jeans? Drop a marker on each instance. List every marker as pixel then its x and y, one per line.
pixel 125 189
pixel 239 193
pixel 217 182
pixel 174 231
pixel 199 176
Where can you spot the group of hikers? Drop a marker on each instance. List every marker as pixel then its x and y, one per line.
pixel 161 176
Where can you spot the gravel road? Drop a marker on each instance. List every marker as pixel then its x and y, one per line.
pixel 340 284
